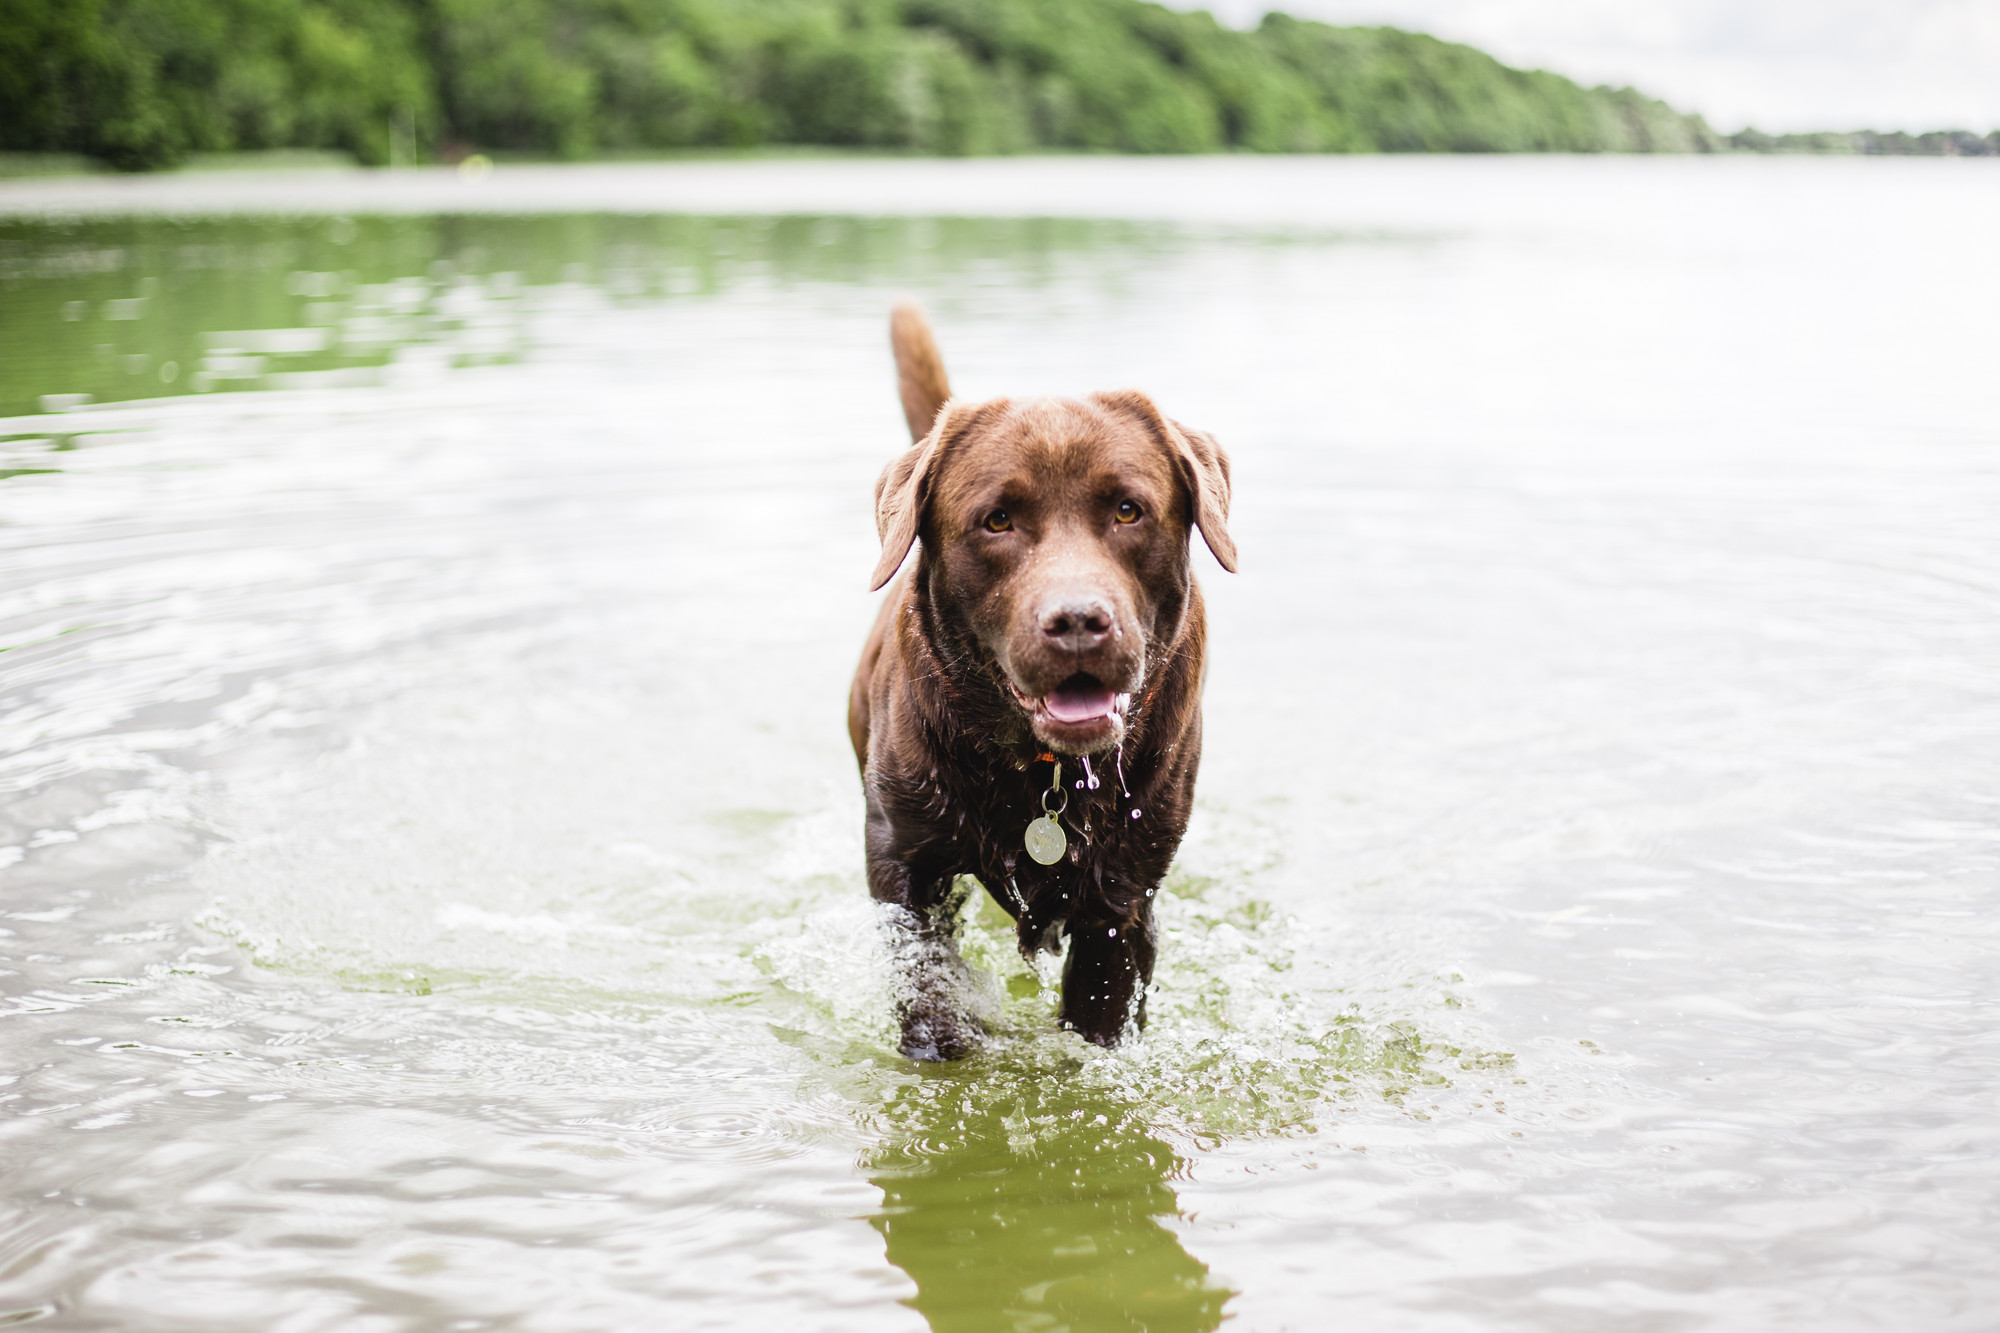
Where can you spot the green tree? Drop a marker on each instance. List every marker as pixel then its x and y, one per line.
pixel 141 83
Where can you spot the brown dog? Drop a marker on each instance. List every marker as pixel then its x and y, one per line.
pixel 1052 620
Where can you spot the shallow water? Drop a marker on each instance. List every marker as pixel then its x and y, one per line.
pixel 432 893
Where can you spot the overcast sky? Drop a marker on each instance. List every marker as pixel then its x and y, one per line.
pixel 1775 64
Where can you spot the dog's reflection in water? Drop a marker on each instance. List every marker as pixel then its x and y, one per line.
pixel 1035 1206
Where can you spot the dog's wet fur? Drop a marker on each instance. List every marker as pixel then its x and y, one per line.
pixel 1051 616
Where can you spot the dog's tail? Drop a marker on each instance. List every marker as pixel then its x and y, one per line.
pixel 920 377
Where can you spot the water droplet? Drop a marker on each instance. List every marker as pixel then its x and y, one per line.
pixel 1136 812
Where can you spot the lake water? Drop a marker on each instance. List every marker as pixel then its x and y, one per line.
pixel 432 889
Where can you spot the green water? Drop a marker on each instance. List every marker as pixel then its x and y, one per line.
pixel 113 310
pixel 1015 1202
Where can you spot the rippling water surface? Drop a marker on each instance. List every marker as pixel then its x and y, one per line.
pixel 430 871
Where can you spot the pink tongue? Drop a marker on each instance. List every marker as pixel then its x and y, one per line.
pixel 1079 699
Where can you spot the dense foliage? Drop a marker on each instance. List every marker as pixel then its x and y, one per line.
pixel 144 82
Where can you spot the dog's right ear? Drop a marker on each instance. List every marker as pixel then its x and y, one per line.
pixel 903 491
pixel 900 493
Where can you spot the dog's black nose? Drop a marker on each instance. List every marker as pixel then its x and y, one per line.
pixel 1077 623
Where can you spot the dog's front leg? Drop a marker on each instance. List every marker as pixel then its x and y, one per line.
pixel 935 1024
pixel 928 1006
pixel 1104 982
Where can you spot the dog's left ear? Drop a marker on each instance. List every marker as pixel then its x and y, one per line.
pixel 1204 470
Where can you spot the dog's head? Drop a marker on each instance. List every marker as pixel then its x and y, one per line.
pixel 1055 546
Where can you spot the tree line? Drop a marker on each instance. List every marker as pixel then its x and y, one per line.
pixel 144 83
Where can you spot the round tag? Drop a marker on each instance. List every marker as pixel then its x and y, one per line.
pixel 1046 841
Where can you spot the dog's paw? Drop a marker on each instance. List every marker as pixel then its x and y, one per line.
pixel 935 1038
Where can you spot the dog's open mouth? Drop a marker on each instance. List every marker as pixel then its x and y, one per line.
pixel 1077 701
pixel 1081 698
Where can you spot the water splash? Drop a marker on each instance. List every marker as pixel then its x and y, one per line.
pixel 1248 1033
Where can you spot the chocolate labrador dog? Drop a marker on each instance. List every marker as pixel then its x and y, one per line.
pixel 1028 706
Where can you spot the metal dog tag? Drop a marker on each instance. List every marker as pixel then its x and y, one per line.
pixel 1046 840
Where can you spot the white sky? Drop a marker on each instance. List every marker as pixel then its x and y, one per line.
pixel 1778 64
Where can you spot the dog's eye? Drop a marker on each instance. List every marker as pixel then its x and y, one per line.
pixel 997 521
pixel 1128 512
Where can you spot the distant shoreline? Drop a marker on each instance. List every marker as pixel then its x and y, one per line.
pixel 30 166
pixel 1406 194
